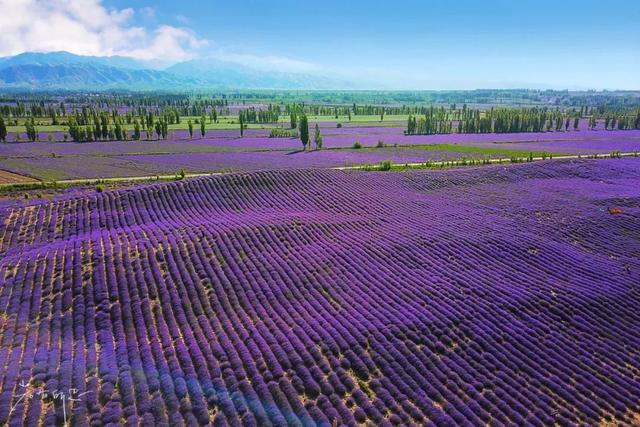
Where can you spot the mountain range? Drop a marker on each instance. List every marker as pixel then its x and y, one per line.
pixel 66 71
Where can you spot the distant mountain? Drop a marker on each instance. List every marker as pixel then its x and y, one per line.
pixel 233 75
pixel 90 77
pixel 63 70
pixel 66 58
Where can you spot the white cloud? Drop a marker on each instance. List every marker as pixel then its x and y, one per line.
pixel 87 27
pixel 175 43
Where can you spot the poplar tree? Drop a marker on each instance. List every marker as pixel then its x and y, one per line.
pixel 304 131
pixel 74 131
pixel 190 124
pixel 165 129
pixel 317 138
pixel 136 130
pixel 150 125
pixel 30 127
pixel 3 130
pixel 118 131
pixel 104 125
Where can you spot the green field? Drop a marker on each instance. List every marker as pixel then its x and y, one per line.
pixel 479 150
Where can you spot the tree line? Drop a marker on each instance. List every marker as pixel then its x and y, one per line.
pixel 252 115
pixel 106 128
pixel 511 120
pixel 42 104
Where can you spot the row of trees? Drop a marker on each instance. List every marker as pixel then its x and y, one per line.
pixel 453 112
pixel 38 106
pixel 252 115
pixel 57 111
pixel 327 103
pixel 172 108
pixel 622 122
pixel 104 131
pixel 88 116
pixel 509 120
pixel 101 128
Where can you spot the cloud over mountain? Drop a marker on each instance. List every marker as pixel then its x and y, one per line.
pixel 87 27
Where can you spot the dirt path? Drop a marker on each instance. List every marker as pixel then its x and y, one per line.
pixel 435 164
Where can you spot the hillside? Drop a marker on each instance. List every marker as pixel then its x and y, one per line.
pixel 62 70
pixel 87 76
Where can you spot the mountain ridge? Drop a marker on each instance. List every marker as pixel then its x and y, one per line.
pixel 64 70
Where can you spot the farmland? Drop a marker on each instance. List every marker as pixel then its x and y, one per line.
pixel 227 151
pixel 499 295
pixel 112 136
pixel 59 138
pixel 303 261
pixel 8 178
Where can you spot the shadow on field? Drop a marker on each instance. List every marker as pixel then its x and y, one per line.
pixel 300 151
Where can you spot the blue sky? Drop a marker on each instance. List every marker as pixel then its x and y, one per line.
pixel 410 44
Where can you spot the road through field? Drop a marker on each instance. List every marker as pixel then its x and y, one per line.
pixel 436 164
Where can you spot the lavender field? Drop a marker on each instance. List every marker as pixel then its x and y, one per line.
pixel 220 151
pixel 502 295
pixel 319 214
pixel 222 140
pixel 78 167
